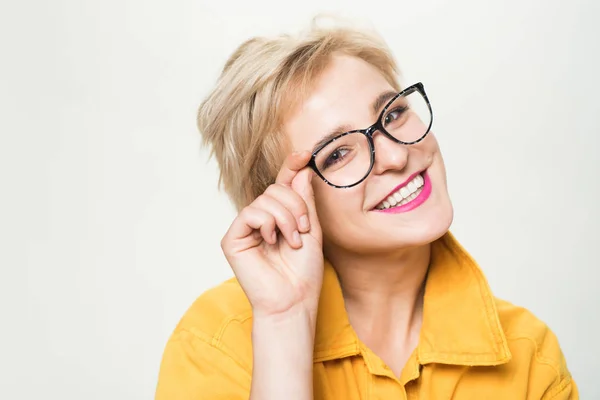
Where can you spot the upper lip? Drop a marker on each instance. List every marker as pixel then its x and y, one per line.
pixel 400 186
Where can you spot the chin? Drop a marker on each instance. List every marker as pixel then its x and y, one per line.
pixel 430 229
pixel 434 224
pixel 429 226
pixel 385 238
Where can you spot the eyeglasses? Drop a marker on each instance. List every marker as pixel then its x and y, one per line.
pixel 347 159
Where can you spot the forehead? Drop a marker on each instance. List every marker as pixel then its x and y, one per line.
pixel 341 95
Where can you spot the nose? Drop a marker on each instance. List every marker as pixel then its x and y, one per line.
pixel 389 155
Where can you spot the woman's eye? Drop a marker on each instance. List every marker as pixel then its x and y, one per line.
pixel 336 156
pixel 394 115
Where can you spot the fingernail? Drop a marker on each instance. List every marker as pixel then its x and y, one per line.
pixel 297 239
pixel 304 226
pixel 274 237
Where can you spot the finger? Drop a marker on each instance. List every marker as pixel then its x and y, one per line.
pixel 302 184
pixel 264 222
pixel 249 221
pixel 291 165
pixel 283 218
pixel 293 202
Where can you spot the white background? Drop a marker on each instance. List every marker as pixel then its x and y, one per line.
pixel 110 220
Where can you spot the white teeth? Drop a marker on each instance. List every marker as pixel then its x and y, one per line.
pixel 404 195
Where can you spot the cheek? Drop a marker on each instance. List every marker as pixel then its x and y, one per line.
pixel 430 144
pixel 336 207
pixel 436 152
pixel 326 202
pixel 431 150
pixel 437 168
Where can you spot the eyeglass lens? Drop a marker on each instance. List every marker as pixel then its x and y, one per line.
pixel 347 160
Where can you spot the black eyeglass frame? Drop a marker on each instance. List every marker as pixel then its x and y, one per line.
pixel 368 132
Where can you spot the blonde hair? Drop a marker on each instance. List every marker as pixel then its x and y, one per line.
pixel 264 78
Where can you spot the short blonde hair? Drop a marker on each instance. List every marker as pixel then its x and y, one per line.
pixel 264 78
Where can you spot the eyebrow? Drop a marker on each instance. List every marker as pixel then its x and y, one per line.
pixel 376 106
pixel 382 100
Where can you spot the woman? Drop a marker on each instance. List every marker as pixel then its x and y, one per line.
pixel 348 284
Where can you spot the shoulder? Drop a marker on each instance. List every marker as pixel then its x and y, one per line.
pixel 220 317
pixel 534 347
pixel 209 353
pixel 518 323
pixel 216 308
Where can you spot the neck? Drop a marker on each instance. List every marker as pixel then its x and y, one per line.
pixel 384 294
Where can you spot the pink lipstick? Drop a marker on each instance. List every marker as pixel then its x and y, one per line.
pixel 423 194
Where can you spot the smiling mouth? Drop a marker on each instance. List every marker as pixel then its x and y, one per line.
pixel 403 195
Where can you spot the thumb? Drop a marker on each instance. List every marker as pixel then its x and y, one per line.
pixel 302 184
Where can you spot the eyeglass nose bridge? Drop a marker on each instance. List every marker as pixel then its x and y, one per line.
pixel 370 131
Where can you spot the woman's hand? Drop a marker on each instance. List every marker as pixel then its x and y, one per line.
pixel 275 245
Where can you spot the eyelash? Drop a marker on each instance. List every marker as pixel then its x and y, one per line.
pixel 339 149
pixel 399 109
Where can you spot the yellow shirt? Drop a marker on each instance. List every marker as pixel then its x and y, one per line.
pixel 471 346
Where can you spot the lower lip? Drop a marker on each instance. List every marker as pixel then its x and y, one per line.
pixel 416 202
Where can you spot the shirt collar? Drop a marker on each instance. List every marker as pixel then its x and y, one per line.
pixel 460 321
